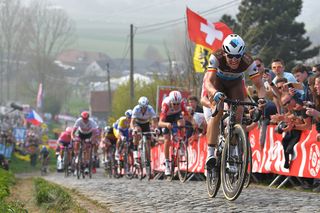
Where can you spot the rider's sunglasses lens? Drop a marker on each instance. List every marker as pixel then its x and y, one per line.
pixel 234 56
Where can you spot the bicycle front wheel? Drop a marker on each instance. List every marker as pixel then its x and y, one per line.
pixel 66 162
pixel 247 180
pixel 79 164
pixel 172 163
pixel 182 161
pixel 147 164
pixel 128 161
pixel 90 161
pixel 234 163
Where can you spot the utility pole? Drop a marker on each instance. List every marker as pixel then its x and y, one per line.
pixel 109 88
pixel 131 66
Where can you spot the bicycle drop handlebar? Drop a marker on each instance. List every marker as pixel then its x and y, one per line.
pixel 233 102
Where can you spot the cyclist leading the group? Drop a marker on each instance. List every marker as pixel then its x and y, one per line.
pixel 142 114
pixel 225 73
pixel 171 112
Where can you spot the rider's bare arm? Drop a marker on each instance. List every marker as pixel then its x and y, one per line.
pixel 154 123
pixel 133 123
pixel 209 83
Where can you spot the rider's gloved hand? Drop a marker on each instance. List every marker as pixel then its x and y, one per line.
pixel 218 96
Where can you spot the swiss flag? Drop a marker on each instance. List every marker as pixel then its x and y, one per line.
pixel 210 35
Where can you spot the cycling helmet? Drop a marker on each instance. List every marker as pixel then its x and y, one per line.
pixel 128 113
pixel 143 101
pixel 175 97
pixel 233 45
pixel 69 129
pixel 107 129
pixel 85 115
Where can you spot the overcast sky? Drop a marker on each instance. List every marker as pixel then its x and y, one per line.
pixel 145 12
pixel 115 15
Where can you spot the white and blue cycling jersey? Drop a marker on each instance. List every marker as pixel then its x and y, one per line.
pixel 142 118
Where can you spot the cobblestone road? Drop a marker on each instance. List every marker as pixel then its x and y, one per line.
pixel 123 195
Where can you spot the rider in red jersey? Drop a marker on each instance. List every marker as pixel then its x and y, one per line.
pixel 171 112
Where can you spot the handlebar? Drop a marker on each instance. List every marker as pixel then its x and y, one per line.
pixel 232 102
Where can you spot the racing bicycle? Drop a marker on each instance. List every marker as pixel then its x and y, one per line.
pixel 231 165
pixel 179 154
pixel 144 153
pixel 84 146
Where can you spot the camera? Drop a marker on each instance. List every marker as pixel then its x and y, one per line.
pixel 279 128
pixel 310 104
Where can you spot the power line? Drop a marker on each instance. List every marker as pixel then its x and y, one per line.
pixel 178 20
pixel 126 49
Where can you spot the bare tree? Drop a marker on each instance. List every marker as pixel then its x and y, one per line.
pixel 51 31
pixel 11 26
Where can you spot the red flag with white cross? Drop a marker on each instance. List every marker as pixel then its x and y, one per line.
pixel 210 35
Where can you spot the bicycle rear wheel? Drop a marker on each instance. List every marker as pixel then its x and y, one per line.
pixel 234 166
pixel 213 181
pixel 213 178
pixel 182 161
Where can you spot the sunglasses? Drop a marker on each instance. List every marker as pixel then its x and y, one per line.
pixel 176 104
pixel 234 56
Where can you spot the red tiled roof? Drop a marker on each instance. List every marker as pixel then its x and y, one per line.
pixel 99 101
pixel 79 56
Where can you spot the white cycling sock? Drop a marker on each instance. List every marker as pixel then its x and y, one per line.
pixel 167 163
